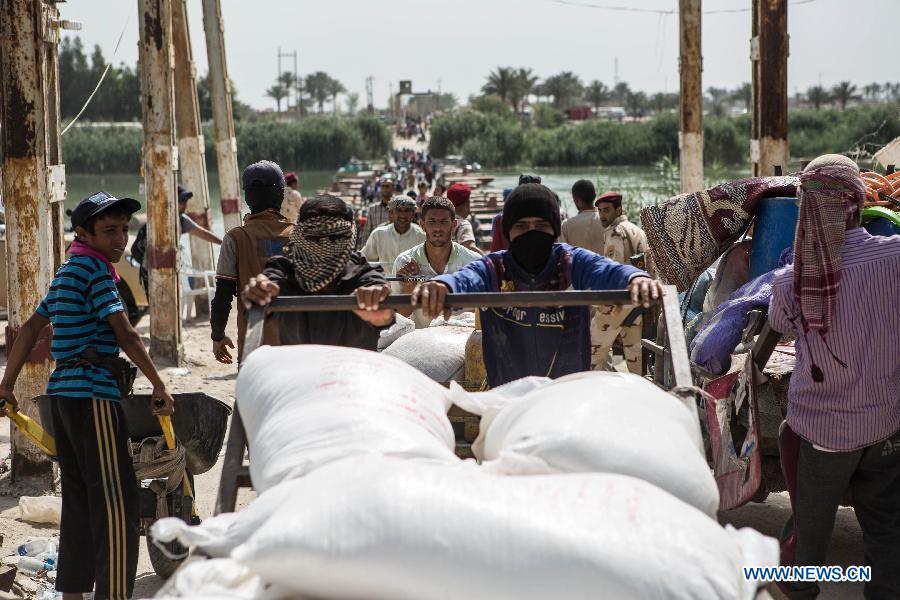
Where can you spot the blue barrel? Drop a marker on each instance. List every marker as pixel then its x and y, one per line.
pixel 776 224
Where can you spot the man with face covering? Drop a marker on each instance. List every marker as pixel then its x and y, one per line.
pixel 549 342
pixel 320 260
pixel 842 429
pixel 245 250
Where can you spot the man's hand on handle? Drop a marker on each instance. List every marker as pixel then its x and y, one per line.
pixel 259 290
pixel 8 399
pixel 644 290
pixel 161 403
pixel 430 297
pixel 368 299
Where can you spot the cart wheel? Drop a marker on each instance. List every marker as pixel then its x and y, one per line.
pixel 162 564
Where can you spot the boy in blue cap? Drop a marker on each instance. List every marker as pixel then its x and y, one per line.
pixel 99 529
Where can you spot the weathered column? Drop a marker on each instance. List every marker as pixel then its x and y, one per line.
pixel 160 162
pixel 772 114
pixel 223 121
pixel 26 198
pixel 191 149
pixel 690 138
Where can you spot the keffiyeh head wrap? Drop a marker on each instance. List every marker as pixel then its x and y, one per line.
pixel 831 193
pixel 319 248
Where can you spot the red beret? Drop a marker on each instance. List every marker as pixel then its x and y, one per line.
pixel 290 178
pixel 459 193
pixel 615 198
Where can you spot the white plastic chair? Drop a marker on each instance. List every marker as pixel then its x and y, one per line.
pixel 208 278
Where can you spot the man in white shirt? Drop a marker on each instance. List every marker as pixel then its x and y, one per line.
pixel 437 256
pixel 585 229
pixel 386 242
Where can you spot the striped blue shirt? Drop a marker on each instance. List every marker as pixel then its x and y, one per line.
pixel 859 405
pixel 81 297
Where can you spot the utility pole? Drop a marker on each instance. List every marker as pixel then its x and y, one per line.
pixel 690 138
pixel 160 163
pixel 770 106
pixel 191 147
pixel 33 179
pixel 370 97
pixel 223 121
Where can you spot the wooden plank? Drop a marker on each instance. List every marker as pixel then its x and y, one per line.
pixel 232 466
pixel 683 380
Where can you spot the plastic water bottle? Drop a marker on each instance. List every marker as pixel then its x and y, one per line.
pixel 34 547
pixel 31 565
pixel 49 552
pixel 47 593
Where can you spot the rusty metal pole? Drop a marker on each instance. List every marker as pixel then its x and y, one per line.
pixel 191 148
pixel 24 50
pixel 754 84
pixel 223 120
pixel 690 138
pixel 160 162
pixel 773 83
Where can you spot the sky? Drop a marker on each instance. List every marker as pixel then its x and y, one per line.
pixel 451 45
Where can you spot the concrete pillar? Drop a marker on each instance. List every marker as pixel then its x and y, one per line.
pixel 28 153
pixel 690 138
pixel 160 163
pixel 223 120
pixel 191 148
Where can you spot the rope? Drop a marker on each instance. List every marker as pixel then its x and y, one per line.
pixel 153 460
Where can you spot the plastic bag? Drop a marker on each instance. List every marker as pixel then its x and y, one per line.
pixel 438 352
pixel 594 422
pixel 41 509
pixel 377 527
pixel 218 578
pixel 305 406
pixel 401 327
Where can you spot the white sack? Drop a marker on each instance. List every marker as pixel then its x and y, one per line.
pixel 218 578
pixel 594 422
pixel 41 509
pixel 438 352
pixel 401 327
pixel 305 406
pixel 377 527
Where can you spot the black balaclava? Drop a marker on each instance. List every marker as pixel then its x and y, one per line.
pixel 263 184
pixel 532 249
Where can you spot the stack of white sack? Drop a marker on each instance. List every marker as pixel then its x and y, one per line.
pixel 401 327
pixel 593 423
pixel 438 352
pixel 381 527
pixel 305 406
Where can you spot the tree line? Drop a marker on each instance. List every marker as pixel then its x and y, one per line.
pixel 519 88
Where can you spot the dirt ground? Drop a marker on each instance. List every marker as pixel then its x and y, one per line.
pixel 202 373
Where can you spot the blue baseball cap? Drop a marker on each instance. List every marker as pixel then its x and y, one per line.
pixel 100 202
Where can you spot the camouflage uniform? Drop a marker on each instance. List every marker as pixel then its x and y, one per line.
pixel 623 240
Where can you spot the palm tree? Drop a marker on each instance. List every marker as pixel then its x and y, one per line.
pixel 843 93
pixel 743 93
pixel 620 92
pixel 565 88
pixel 334 87
pixel 523 84
pixel 277 93
pixel 636 104
pixel 352 101
pixel 317 88
pixel 872 91
pixel 717 98
pixel 596 93
pixel 817 96
pixel 501 83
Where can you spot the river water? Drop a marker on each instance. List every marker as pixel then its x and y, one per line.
pixel 641 186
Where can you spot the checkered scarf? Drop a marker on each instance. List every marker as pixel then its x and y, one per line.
pixel 319 249
pixel 829 196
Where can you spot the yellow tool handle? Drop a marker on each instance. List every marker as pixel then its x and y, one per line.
pixel 31 430
pixel 169 433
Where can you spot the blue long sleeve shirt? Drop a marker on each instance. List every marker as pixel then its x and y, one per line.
pixel 550 342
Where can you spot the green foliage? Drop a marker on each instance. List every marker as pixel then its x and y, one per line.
pixel 548 117
pixel 492 105
pixel 314 143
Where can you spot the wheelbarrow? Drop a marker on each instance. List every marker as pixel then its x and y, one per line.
pixel 199 423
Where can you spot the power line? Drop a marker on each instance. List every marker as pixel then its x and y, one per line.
pixel 657 11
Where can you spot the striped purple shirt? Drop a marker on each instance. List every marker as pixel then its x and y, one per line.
pixel 857 406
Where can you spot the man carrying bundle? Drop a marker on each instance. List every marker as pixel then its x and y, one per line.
pixel 842 430
pixel 320 260
pixel 549 342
